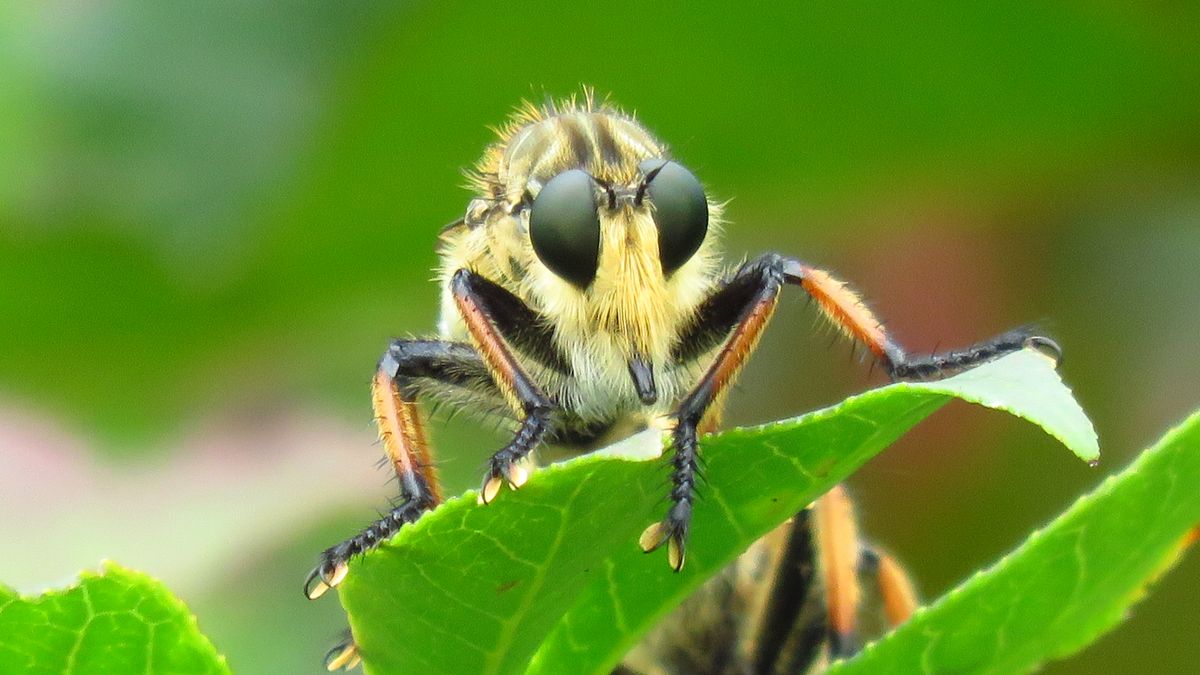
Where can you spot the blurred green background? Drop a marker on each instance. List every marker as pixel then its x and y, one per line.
pixel 213 216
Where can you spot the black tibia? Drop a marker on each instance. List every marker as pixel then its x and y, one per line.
pixel 406 363
pixel 497 319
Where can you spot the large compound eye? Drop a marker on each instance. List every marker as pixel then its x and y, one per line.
pixel 565 228
pixel 680 211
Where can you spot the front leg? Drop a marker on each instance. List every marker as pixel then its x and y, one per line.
pixel 735 315
pixel 490 314
pixel 743 306
pixel 488 368
pixel 406 367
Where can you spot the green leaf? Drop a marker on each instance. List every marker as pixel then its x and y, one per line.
pixel 1067 584
pixel 550 579
pixel 114 621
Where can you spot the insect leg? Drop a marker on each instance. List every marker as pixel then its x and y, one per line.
pixel 790 635
pixel 402 367
pixel 735 314
pixel 842 306
pixel 484 311
pixel 344 655
pixel 895 587
pixel 743 306
pixel 837 541
pixel 824 540
pixel 845 561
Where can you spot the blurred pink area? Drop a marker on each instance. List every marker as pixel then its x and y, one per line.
pixel 222 494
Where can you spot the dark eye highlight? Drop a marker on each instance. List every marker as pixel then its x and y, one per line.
pixel 680 211
pixel 565 227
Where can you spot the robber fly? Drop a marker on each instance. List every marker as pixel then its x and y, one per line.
pixel 583 296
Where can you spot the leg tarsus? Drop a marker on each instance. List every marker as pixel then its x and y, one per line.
pixel 948 363
pixel 333 565
pixel 673 530
pixel 505 465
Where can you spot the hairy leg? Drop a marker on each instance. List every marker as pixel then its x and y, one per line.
pixel 733 318
pixel 491 315
pixel 404 365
